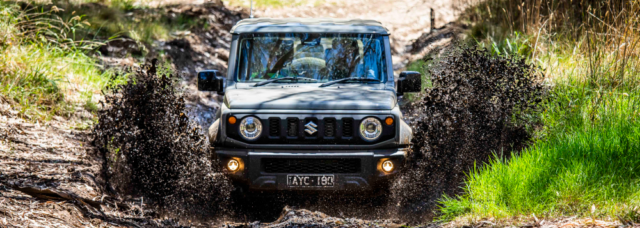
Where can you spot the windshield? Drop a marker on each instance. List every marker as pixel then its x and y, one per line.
pixel 321 57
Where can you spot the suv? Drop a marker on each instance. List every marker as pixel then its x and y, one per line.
pixel 310 104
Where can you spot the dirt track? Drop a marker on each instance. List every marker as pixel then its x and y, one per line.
pixel 57 155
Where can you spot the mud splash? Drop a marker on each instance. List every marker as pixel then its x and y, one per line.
pixel 152 149
pixel 479 104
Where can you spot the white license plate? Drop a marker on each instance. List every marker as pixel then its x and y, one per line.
pixel 311 180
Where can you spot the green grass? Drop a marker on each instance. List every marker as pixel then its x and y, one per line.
pixel 584 160
pixel 131 18
pixel 111 22
pixel 43 72
pixel 588 158
pixel 46 64
pixel 44 80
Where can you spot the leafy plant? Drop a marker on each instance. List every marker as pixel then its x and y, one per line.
pixel 584 155
pixel 43 68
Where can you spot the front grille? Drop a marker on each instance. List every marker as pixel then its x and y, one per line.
pixel 274 126
pixel 347 127
pixel 313 129
pixel 329 127
pixel 292 127
pixel 318 166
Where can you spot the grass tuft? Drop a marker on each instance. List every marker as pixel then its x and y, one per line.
pixel 585 161
pixel 42 70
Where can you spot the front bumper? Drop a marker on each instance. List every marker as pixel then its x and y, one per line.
pixel 253 174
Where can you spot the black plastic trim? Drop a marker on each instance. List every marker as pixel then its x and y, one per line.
pixel 232 143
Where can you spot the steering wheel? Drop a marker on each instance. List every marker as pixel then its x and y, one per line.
pixel 308 66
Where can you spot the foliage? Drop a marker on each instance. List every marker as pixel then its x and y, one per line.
pixel 584 160
pixel 43 69
pixel 137 20
pixel 516 45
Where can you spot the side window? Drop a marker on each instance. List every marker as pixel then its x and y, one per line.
pixel 374 60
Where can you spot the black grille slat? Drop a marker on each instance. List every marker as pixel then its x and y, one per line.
pixel 274 126
pixel 292 127
pixel 326 130
pixel 329 127
pixel 347 127
pixel 317 166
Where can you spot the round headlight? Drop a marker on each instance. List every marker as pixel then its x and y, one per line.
pixel 250 128
pixel 370 129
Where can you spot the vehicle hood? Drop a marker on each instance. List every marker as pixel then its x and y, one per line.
pixel 311 98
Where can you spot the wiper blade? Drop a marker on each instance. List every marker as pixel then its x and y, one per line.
pixel 348 79
pixel 285 78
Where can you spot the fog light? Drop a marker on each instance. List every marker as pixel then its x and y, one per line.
pixel 387 166
pixel 233 165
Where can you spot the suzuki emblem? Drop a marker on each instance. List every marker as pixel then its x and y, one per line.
pixel 310 128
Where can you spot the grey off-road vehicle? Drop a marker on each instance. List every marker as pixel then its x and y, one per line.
pixel 310 104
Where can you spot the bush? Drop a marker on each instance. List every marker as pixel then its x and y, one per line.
pixel 153 150
pixel 479 105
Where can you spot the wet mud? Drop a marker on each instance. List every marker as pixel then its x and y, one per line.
pixel 154 153
pixel 153 150
pixel 479 105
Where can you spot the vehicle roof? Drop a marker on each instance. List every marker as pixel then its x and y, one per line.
pixel 308 25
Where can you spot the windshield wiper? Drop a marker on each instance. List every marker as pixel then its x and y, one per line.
pixel 285 78
pixel 348 79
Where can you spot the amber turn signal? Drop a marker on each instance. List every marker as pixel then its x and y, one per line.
pixel 232 120
pixel 388 121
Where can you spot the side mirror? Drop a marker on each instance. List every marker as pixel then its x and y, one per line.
pixel 210 80
pixel 409 81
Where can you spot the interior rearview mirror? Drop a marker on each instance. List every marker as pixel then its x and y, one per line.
pixel 408 82
pixel 210 80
